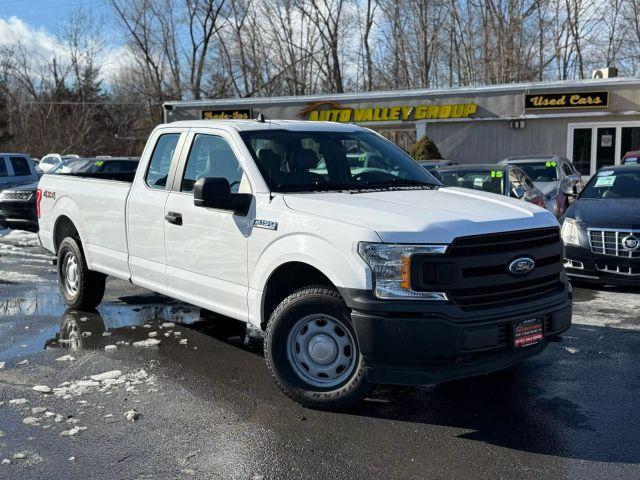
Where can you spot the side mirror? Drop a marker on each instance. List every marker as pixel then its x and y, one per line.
pixel 570 190
pixel 216 193
pixel 517 192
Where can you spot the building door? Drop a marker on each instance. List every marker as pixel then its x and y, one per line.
pixel 591 146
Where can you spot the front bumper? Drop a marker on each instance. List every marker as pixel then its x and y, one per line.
pixel 19 214
pixel 584 265
pixel 414 344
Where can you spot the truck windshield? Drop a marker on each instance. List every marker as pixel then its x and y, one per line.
pixel 614 184
pixel 308 161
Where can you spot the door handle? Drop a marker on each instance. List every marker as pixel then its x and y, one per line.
pixel 174 218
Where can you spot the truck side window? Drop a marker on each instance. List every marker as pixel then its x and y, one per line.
pixel 20 166
pixel 3 168
pixel 211 156
pixel 160 163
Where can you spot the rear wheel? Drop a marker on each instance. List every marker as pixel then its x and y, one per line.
pixel 312 350
pixel 81 288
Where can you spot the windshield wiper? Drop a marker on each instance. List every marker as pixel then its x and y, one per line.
pixel 315 187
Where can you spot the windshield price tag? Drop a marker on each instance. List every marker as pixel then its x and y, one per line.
pixel 551 164
pixel 605 181
pixel 496 174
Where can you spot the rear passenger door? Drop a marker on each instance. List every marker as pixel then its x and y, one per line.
pixel 206 249
pixel 145 208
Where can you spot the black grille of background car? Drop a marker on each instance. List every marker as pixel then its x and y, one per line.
pixel 474 271
pixel 609 242
pixel 16 195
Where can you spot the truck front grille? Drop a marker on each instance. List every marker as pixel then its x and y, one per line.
pixel 504 242
pixel 610 242
pixel 508 293
pixel 475 270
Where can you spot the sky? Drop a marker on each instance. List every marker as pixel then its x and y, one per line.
pixel 34 24
pixel 47 14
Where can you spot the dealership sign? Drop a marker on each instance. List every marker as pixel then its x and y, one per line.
pixel 233 114
pixel 566 100
pixel 334 112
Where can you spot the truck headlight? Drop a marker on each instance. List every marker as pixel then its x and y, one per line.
pixel 391 268
pixel 571 232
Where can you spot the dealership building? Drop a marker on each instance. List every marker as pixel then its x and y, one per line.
pixel 592 122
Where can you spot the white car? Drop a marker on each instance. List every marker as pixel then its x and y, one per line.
pixel 376 275
pixel 52 160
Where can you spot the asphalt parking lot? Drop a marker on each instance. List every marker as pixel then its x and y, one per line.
pixel 208 408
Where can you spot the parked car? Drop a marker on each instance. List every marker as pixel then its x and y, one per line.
pixel 555 176
pixel 98 165
pixel 52 160
pixel 507 180
pixel 18 204
pixel 601 230
pixel 631 158
pixel 432 166
pixel 16 168
pixel 380 276
pixel 18 207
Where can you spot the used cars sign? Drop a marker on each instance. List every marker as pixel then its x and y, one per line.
pixel 566 100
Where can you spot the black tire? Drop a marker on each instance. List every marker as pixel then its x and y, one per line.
pixel 89 285
pixel 300 304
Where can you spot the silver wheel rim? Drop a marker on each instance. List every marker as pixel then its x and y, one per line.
pixel 321 350
pixel 70 274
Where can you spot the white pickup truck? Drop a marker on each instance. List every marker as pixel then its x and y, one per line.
pixel 357 264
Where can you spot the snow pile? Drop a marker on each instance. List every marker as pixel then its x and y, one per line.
pixel 106 382
pixel 150 342
pixel 24 239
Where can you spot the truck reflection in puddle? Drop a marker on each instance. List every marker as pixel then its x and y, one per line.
pixel 115 324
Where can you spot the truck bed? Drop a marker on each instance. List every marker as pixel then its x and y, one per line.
pixel 96 204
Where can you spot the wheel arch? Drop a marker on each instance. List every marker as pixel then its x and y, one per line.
pixel 285 279
pixel 64 227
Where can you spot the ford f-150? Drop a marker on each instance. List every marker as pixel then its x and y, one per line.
pixel 358 265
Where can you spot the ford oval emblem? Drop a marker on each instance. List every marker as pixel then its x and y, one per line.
pixel 522 266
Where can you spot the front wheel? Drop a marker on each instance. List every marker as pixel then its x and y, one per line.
pixel 312 350
pixel 81 288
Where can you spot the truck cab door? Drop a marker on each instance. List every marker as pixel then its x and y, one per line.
pixel 206 248
pixel 145 208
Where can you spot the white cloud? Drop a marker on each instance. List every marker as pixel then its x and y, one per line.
pixel 40 47
pixel 39 44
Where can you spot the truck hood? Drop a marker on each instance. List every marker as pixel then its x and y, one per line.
pixel 424 216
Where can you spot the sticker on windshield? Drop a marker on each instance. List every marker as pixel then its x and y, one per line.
pixel 605 173
pixel 605 181
pixel 99 163
pixel 551 164
pixel 496 173
pixel 478 182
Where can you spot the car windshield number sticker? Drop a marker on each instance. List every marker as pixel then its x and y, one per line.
pixel 496 174
pixel 551 164
pixel 605 181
